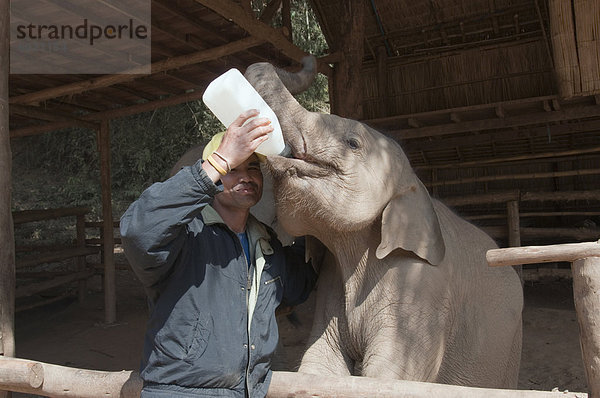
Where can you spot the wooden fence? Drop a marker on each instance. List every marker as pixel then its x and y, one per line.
pixel 38 254
pixel 32 281
pixel 59 381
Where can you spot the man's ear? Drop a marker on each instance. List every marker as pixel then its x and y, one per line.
pixel 410 222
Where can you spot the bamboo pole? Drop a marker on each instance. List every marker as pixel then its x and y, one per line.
pixel 586 291
pixel 7 241
pixel 110 293
pixel 22 375
pixel 542 254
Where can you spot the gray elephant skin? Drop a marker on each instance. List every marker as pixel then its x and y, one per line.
pixel 405 291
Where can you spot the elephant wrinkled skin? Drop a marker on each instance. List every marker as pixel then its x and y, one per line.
pixel 405 291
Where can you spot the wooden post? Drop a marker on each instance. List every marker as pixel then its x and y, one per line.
pixel 347 96
pixel 514 227
pixel 586 291
pixel 514 230
pixel 382 82
pixel 7 241
pixel 80 260
pixel 286 19
pixel 110 291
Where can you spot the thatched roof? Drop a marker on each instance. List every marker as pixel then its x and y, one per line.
pixel 493 100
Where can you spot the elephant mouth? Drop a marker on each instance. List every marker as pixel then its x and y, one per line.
pixel 294 167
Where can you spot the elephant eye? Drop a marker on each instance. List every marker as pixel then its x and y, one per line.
pixel 353 143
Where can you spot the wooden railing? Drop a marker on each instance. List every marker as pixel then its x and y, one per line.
pixel 42 255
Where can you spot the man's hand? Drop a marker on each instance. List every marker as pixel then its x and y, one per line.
pixel 240 141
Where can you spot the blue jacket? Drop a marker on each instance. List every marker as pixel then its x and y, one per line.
pixel 199 339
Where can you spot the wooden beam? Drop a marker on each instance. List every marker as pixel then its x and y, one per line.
pixel 462 109
pixel 506 196
pixel 34 377
pixel 574 112
pixel 35 112
pixel 509 159
pixel 518 176
pixel 231 11
pixel 542 254
pixel 110 292
pixel 157 67
pixel 270 11
pixel 111 114
pixel 7 241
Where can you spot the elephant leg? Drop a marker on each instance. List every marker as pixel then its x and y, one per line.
pixel 324 354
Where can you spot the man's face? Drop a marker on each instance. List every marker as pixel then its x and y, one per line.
pixel 242 186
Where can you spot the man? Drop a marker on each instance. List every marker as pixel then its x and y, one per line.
pixel 213 273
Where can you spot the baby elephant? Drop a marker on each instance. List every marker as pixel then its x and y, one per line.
pixel 405 291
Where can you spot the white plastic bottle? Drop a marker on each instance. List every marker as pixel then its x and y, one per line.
pixel 231 94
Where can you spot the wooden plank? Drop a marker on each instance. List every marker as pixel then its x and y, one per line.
pixel 25 216
pixel 54 256
pixel 7 241
pixel 110 284
pixel 586 291
pixel 542 254
pixel 37 287
pixel 157 67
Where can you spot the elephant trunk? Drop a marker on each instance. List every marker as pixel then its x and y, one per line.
pixel 299 81
pixel 276 86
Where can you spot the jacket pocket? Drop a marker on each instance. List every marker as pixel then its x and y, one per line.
pixel 185 337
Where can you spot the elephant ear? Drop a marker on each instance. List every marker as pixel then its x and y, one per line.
pixel 409 222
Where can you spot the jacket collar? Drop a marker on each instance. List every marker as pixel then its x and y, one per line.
pixel 254 228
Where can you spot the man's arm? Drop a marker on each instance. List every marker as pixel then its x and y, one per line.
pixel 153 229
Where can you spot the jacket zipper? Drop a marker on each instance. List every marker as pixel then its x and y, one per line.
pixel 248 287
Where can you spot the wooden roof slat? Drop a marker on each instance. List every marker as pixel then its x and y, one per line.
pixel 41 114
pixel 160 66
pixel 576 112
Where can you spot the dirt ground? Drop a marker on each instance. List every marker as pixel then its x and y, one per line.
pixel 73 334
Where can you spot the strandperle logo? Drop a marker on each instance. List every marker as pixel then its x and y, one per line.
pixel 84 30
pixel 80 36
